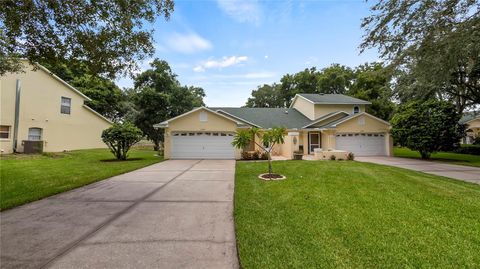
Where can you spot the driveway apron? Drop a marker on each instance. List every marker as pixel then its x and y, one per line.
pixel 174 214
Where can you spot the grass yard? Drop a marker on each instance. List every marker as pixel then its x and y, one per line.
pixel 342 214
pixel 450 157
pixel 26 178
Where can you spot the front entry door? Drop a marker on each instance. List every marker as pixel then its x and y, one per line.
pixel 314 141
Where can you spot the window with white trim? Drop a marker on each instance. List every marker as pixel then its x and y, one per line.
pixel 35 134
pixel 4 132
pixel 203 116
pixel 66 105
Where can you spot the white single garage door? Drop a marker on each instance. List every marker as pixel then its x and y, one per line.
pixel 202 145
pixel 362 144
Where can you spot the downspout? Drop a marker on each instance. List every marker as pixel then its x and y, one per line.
pixel 17 115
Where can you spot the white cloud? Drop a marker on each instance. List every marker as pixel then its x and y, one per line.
pixel 224 62
pixel 242 10
pixel 188 43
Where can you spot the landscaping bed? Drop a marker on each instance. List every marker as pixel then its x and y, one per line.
pixel 26 178
pixel 354 215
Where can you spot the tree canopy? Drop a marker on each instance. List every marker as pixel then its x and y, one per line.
pixel 109 36
pixel 427 127
pixel 433 45
pixel 158 96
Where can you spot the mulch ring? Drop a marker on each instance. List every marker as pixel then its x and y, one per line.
pixel 271 176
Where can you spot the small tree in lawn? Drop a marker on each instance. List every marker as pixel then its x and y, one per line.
pixel 427 127
pixel 268 139
pixel 120 137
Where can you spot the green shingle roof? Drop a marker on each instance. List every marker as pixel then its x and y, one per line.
pixel 267 117
pixel 333 99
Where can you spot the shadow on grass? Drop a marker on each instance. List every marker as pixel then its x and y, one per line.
pixel 119 161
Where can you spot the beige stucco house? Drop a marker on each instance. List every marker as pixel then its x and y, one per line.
pixel 314 122
pixel 36 105
pixel 472 122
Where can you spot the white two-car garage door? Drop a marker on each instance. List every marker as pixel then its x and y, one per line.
pixel 362 144
pixel 202 145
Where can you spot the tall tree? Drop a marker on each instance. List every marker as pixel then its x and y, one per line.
pixel 158 96
pixel 372 83
pixel 436 42
pixel 110 36
pixel 266 96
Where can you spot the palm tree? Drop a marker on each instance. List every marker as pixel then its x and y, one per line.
pixel 268 138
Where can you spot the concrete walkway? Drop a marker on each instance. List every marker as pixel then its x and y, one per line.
pixel 174 214
pixel 459 172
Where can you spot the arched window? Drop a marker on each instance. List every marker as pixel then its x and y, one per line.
pixel 356 109
pixel 35 134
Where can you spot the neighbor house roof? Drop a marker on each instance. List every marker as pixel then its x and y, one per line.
pixel 267 117
pixel 469 116
pixel 326 99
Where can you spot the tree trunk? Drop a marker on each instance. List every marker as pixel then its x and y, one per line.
pixel 156 145
pixel 425 155
pixel 269 163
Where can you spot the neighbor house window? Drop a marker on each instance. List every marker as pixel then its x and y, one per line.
pixel 4 132
pixel 66 105
pixel 203 116
pixel 356 109
pixel 35 134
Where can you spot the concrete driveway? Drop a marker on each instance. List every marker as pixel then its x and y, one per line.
pixel 174 214
pixel 459 172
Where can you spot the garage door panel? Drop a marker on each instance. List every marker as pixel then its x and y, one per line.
pixel 202 146
pixel 362 144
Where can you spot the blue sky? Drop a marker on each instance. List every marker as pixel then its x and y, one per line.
pixel 229 47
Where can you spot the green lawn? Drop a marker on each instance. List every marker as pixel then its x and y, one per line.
pixel 26 178
pixel 453 158
pixel 339 214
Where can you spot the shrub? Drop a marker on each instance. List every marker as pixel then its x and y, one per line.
pixel 468 149
pixel 246 155
pixel 120 137
pixel 427 127
pixel 350 156
pixel 264 156
pixel 332 157
pixel 255 155
pixel 476 141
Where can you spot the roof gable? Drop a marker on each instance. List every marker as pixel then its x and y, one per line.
pixel 351 117
pixel 164 124
pixel 70 87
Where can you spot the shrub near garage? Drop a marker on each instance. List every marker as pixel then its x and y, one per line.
pixel 120 138
pixel 427 127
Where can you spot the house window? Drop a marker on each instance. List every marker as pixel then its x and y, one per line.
pixel 356 109
pixel 4 132
pixel 35 134
pixel 65 105
pixel 203 116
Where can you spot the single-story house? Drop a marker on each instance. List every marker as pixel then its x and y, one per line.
pixel 472 122
pixel 40 109
pixel 313 121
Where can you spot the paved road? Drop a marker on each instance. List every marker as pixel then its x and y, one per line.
pixel 175 214
pixel 459 172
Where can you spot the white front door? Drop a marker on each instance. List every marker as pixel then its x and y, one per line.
pixel 202 145
pixel 362 144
